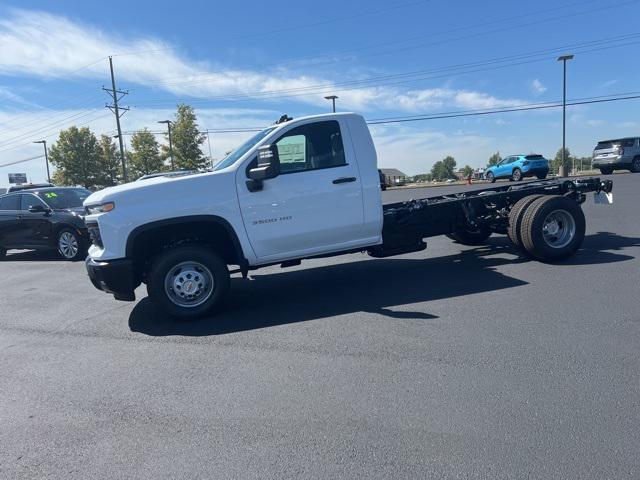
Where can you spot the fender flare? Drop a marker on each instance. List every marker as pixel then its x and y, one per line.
pixel 213 219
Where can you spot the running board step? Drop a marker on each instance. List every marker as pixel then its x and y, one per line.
pixel 379 251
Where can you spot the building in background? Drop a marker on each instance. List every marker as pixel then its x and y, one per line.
pixel 394 177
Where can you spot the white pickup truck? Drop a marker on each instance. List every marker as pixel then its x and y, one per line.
pixel 300 189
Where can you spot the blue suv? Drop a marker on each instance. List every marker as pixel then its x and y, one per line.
pixel 516 167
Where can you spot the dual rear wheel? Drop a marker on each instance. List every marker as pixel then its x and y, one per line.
pixel 546 227
pixel 549 228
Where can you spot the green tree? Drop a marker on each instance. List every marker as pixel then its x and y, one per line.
pixel 76 157
pixel 186 139
pixel 557 161
pixel 450 164
pixel 110 168
pixel 494 159
pixel 467 170
pixel 444 169
pixel 145 154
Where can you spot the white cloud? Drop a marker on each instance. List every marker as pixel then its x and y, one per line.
pixel 537 87
pixel 39 44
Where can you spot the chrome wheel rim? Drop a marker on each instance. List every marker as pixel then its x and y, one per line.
pixel 189 284
pixel 558 229
pixel 68 245
pixel 517 175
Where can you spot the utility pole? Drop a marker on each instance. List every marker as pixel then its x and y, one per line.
pixel 116 96
pixel 46 158
pixel 564 59
pixel 168 122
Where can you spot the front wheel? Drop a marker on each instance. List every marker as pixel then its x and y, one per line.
pixel 188 282
pixel 70 245
pixel 490 177
pixel 606 171
pixel 635 166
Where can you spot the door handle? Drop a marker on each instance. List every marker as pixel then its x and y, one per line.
pixel 344 180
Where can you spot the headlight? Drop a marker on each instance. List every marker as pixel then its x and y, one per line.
pixel 99 208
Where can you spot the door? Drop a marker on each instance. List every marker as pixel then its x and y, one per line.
pixel 9 226
pixel 504 167
pixel 315 204
pixel 35 227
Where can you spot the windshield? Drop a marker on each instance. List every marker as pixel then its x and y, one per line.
pixel 242 149
pixel 64 197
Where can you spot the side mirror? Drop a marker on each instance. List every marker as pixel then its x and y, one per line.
pixel 268 167
pixel 38 209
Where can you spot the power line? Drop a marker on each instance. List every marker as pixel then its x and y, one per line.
pixel 497 111
pixel 335 19
pixel 383 44
pixel 372 82
pixel 55 130
pixel 21 161
pixel 17 140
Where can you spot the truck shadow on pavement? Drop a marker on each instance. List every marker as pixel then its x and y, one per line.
pixel 372 285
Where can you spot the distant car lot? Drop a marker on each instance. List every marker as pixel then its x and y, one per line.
pixel 452 362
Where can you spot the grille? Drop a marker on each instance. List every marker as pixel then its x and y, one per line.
pixel 94 233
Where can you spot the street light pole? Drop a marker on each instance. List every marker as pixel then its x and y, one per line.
pixel 333 101
pixel 46 158
pixel 168 122
pixel 564 59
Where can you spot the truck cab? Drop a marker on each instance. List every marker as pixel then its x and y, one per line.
pixel 297 189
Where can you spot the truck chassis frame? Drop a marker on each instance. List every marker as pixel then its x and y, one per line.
pixel 407 223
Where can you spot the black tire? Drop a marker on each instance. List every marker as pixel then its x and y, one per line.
pixel 516 175
pixel 515 220
pixel 471 237
pixel 635 165
pixel 569 228
pixel 168 264
pixel 541 177
pixel 606 171
pixel 70 245
pixel 490 177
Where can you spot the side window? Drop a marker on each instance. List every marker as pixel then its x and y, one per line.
pixel 292 151
pixel 29 200
pixel 10 202
pixel 311 147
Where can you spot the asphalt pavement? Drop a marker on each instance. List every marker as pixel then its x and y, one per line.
pixel 455 362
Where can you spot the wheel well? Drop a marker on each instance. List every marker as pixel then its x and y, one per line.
pixel 149 240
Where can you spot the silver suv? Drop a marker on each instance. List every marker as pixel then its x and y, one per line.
pixel 620 154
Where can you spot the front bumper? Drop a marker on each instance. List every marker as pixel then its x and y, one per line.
pixel 113 276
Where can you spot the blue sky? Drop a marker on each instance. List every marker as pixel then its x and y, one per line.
pixel 243 64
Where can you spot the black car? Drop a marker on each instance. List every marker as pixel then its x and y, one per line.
pixel 45 218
